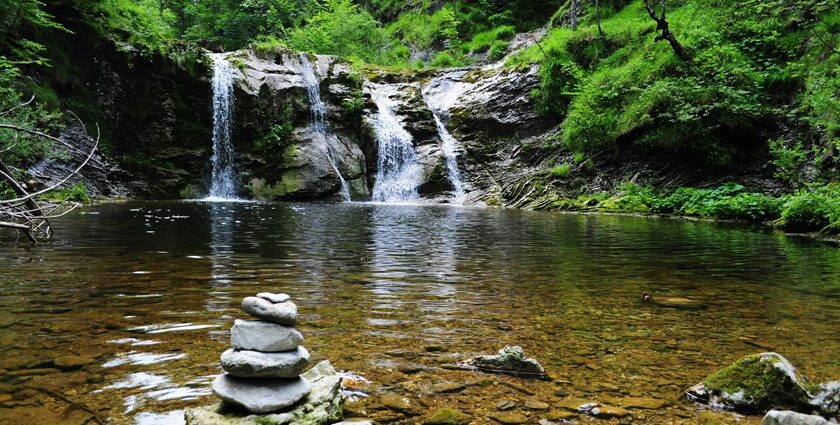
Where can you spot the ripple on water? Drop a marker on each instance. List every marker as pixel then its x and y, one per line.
pixel 142 359
pixel 169 327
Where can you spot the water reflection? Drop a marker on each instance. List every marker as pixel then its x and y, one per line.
pixel 142 296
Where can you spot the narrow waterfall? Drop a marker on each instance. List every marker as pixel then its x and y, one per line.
pixel 450 153
pixel 440 94
pixel 318 110
pixel 398 172
pixel 223 183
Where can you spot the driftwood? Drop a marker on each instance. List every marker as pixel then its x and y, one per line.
pixel 24 212
pixel 94 414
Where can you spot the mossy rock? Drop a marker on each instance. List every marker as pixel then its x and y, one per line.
pixel 755 382
pixel 447 417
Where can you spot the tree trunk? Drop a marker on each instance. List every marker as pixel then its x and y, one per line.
pixel 665 30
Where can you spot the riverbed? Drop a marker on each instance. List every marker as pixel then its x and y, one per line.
pixel 127 310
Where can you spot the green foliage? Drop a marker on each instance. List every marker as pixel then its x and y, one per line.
pixel 817 209
pixel 788 160
pixel 559 82
pixel 446 60
pixel 497 50
pixel 561 171
pixel 75 193
pixel 341 28
pixel 273 143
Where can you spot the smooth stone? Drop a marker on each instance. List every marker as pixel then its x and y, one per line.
pixel 505 405
pixel 446 417
pixel 574 404
pixel 536 405
pixel 322 406
pixel 258 335
pixel 608 412
pixel 558 415
pixel 786 417
pixel 396 402
pixel 448 387
pixel 679 303
pixel 355 421
pixel 640 403
pixel 509 418
pixel 254 364
pixel 261 395
pixel 70 362
pixel 283 313
pixel 275 298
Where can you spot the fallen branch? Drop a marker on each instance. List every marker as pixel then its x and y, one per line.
pixel 77 405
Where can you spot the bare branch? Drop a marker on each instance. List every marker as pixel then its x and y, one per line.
pixel 9 111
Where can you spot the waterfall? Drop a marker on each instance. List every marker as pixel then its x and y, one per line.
pixel 440 94
pixel 398 172
pixel 450 153
pixel 223 183
pixel 318 110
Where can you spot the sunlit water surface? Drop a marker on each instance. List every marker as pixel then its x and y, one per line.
pixel 128 309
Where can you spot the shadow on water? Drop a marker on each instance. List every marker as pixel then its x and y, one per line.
pixel 129 308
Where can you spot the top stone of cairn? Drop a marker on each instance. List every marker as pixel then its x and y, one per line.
pixel 280 312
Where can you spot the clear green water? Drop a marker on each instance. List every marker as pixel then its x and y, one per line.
pixel 387 288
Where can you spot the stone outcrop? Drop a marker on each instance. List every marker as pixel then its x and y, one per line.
pixel 786 417
pixel 753 383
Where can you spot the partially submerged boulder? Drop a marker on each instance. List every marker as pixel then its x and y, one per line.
pixel 786 417
pixel 322 406
pixel 509 360
pixel 755 382
pixel 826 399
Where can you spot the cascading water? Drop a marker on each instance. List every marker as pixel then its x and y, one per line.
pixel 223 182
pixel 398 173
pixel 440 94
pixel 318 110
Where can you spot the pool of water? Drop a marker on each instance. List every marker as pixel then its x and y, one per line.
pixel 127 310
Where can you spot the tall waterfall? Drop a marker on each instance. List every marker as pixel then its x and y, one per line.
pixel 398 172
pixel 223 183
pixel 440 94
pixel 318 110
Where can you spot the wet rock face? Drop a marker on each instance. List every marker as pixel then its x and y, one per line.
pixel 281 156
pixel 755 382
pixel 826 399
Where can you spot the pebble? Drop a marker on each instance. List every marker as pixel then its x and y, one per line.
pixel 448 387
pixel 396 402
pixel 505 405
pixel 536 405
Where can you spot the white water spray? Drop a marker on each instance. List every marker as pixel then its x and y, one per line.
pixel 398 172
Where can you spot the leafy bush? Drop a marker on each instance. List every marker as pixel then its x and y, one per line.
pixel 788 160
pixel 811 210
pixel 497 50
pixel 562 170
pixel 445 60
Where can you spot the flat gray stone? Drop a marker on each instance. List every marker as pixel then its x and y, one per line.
pixel 259 335
pixel 786 417
pixel 284 313
pixel 322 406
pixel 261 395
pixel 254 364
pixel 275 298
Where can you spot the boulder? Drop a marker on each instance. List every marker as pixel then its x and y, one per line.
pixel 254 364
pixel 260 395
pixel 755 382
pixel 263 336
pixel 827 398
pixel 786 417
pixel 322 406
pixel 284 313
pixel 509 360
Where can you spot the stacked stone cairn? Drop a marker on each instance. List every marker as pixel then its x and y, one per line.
pixel 264 365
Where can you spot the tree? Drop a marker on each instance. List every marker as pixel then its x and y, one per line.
pixel 664 29
pixel 598 17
